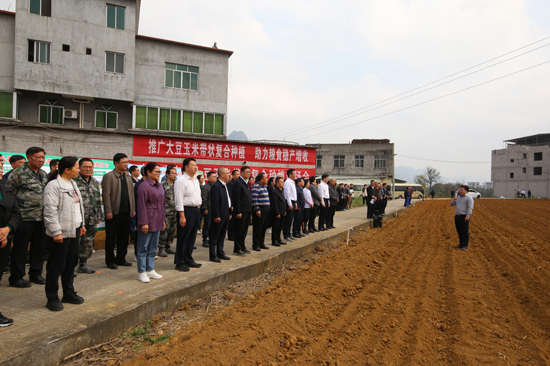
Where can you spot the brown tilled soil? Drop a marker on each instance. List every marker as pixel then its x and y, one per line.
pixel 400 295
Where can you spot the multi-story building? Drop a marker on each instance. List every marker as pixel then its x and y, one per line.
pixel 524 163
pixel 357 162
pixel 77 79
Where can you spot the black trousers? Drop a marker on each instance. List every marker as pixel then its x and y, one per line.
pixel 370 209
pixel 289 217
pixel 276 228
pixel 259 227
pixel 33 232
pixel 62 260
pixel 187 236
pixel 323 214
pixel 207 223
pixel 385 201
pixel 217 236
pixel 297 224
pixel 117 230
pixel 4 257
pixel 331 212
pixel 241 230
pixel 305 217
pixel 314 213
pixel 463 230
pixel 231 228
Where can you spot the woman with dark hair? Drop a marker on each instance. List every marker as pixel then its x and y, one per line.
pixel 151 207
pixel 63 219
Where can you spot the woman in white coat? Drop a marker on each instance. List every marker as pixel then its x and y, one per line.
pixel 63 219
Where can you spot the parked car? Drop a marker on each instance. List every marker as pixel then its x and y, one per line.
pixel 472 193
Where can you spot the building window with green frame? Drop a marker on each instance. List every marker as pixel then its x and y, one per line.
pixel 106 117
pixel 6 105
pixel 50 111
pixel 175 120
pixel 41 7
pixel 170 120
pixel 147 118
pixel 115 16
pixel 181 76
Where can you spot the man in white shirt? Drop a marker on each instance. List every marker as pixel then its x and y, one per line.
pixel 187 196
pixel 289 191
pixel 325 203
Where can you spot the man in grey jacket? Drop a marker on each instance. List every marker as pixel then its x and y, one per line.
pixel 333 201
pixel 119 204
pixel 316 203
pixel 464 208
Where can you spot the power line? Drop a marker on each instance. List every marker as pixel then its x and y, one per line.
pixel 434 99
pixel 444 161
pixel 422 91
pixel 321 124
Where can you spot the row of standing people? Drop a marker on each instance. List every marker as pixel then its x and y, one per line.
pixel 375 197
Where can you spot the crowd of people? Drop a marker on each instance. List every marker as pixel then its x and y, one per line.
pixel 58 215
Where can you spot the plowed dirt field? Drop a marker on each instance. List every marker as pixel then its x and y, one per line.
pixel 400 295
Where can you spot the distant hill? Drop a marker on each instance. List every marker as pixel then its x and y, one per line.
pixel 237 135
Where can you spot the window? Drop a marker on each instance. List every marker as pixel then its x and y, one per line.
pixel 106 117
pixel 66 48
pixel 115 17
pixel 511 160
pixel 6 105
pixel 339 161
pixel 170 120
pixel 88 51
pixel 41 7
pixel 218 124
pixel 50 111
pixel 537 156
pixel 197 122
pixel 318 161
pixel 359 161
pixel 525 156
pixel 39 52
pixel 181 76
pixel 379 161
pixel 179 121
pixel 511 175
pixel 524 170
pixel 114 62
pixel 537 170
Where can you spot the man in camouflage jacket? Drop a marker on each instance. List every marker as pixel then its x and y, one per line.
pixel 171 215
pixel 91 199
pixel 28 182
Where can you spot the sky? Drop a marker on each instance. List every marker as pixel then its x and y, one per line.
pixel 301 64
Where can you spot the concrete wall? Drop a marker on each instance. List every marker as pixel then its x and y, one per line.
pixel 523 157
pixel 7 39
pixel 327 151
pixel 80 24
pixel 151 56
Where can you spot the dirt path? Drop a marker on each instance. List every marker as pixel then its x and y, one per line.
pixel 396 296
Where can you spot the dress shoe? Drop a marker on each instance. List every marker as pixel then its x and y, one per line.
pixel 256 249
pixel 224 257
pixel 194 247
pixel 162 253
pixel 170 251
pixel 5 322
pixel 263 246
pixel 54 305
pixel 281 242
pixel 216 260
pixel 296 236
pixel 464 248
pixel 182 268
pixel 287 238
pixel 321 229
pixel 239 253
pixel 204 244
pixel 112 266
pixel 315 230
pixel 21 283
pixel 246 251
pixel 72 298
pixel 194 264
pixel 125 264
pixel 39 280
pixel 333 227
pixel 458 247
pixel 275 244
pixel 85 269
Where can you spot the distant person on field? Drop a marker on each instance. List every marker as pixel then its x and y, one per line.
pixel 523 193
pixel 529 194
pixel 365 195
pixel 452 193
pixel 432 193
pixel 464 207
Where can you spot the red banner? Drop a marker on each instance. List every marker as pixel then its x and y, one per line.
pixel 223 150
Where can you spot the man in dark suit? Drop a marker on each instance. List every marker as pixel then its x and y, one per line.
pixel 242 208
pixel 278 212
pixel 220 213
pixel 298 212
pixel 334 199
pixel 371 194
pixel 316 203
pixel 10 219
pixel 231 226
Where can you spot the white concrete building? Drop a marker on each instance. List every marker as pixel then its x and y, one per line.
pixel 524 163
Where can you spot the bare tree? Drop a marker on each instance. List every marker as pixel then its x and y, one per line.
pixel 431 176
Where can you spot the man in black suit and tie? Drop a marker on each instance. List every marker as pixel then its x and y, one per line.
pixel 278 210
pixel 242 208
pixel 231 226
pixel 371 193
pixel 220 211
